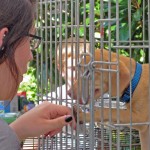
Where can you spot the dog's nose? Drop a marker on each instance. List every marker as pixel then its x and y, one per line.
pixel 69 93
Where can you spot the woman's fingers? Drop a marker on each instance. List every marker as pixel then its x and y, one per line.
pixel 59 122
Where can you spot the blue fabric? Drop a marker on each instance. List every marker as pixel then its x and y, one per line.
pixel 126 95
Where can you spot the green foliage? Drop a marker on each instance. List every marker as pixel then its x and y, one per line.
pixel 132 26
pixel 29 84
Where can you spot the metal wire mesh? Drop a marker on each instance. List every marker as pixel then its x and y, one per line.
pixel 65 142
pixel 72 27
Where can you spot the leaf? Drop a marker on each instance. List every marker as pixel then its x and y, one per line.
pixel 139 2
pixel 137 15
pixel 87 21
pixel 124 33
pixel 81 31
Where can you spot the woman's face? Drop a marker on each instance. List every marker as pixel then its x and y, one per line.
pixel 23 55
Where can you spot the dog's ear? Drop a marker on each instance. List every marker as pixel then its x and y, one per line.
pixel 124 77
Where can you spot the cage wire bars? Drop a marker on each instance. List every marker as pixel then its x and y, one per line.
pixel 71 31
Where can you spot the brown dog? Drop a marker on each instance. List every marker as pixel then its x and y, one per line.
pixel 138 109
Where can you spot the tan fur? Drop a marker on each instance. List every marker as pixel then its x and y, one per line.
pixel 140 98
pixel 67 55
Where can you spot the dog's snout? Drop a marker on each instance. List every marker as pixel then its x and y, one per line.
pixel 69 93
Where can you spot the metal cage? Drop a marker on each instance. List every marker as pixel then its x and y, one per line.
pixel 71 31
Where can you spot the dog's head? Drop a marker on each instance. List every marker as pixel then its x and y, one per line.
pixel 107 73
pixel 67 55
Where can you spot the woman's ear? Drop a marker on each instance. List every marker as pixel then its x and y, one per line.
pixel 3 32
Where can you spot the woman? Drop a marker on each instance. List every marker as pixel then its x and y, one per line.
pixel 16 42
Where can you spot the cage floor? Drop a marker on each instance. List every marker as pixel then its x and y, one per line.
pixel 83 141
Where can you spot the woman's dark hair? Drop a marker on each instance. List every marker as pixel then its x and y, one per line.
pixel 18 17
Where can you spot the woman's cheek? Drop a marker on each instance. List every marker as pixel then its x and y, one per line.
pixel 23 55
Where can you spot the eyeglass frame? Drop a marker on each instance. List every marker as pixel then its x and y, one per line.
pixel 39 38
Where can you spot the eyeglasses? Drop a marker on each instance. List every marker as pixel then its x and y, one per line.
pixel 35 41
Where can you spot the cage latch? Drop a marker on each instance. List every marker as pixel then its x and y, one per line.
pixel 85 87
pixel 85 77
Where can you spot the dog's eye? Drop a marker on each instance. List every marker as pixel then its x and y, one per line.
pixel 73 68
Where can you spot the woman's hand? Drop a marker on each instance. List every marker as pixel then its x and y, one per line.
pixel 46 118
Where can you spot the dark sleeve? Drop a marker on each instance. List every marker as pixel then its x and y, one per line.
pixel 8 138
